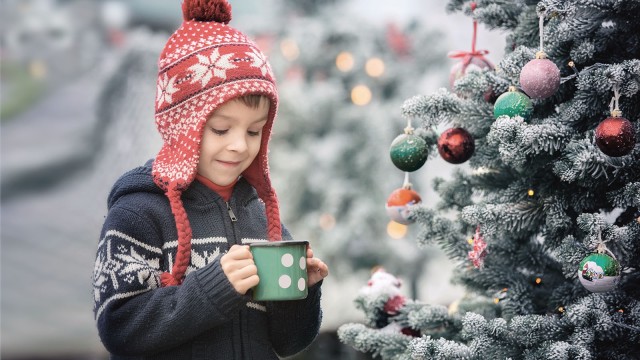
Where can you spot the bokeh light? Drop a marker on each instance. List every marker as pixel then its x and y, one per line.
pixel 344 61
pixel 361 95
pixel 396 230
pixel 374 67
pixel 289 49
pixel 327 222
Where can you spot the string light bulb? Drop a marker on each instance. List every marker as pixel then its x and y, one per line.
pixel 500 295
pixel 531 192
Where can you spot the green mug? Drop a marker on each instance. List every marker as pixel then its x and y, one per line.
pixel 282 269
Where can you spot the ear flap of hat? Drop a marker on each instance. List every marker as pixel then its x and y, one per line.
pixel 257 174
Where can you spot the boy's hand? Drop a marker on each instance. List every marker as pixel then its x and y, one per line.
pixel 239 268
pixel 316 268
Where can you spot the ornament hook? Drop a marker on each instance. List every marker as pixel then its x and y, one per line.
pixel 615 102
pixel 406 184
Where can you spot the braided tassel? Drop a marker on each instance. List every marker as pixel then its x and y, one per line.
pixel 274 228
pixel 183 253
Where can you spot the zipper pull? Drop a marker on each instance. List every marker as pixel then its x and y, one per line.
pixel 231 214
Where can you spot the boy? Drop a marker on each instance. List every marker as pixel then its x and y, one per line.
pixel 173 271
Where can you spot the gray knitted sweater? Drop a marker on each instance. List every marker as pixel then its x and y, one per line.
pixel 204 317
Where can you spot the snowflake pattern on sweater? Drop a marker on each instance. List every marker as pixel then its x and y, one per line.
pixel 126 267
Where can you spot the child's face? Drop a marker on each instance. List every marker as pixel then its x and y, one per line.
pixel 231 140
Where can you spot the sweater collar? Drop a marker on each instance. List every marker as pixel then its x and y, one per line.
pixel 224 191
pixel 200 193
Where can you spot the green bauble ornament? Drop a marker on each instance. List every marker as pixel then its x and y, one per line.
pixel 513 103
pixel 408 152
pixel 599 272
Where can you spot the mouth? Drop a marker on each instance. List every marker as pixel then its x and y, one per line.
pixel 229 163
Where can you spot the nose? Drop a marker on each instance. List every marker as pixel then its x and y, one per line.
pixel 237 142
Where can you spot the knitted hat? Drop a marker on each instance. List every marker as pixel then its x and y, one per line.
pixel 204 64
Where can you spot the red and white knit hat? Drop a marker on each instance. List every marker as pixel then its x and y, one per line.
pixel 204 64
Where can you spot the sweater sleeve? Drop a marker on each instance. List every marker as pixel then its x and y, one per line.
pixel 134 315
pixel 295 324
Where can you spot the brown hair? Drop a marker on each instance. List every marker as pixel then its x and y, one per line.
pixel 252 100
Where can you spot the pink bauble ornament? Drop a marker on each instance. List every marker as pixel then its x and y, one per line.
pixel 540 78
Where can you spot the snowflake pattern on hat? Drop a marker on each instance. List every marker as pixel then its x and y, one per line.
pixel 166 88
pixel 212 65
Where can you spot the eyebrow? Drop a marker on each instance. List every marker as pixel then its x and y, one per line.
pixel 231 118
pixel 264 118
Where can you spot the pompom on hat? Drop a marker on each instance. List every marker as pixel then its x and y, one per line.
pixel 204 64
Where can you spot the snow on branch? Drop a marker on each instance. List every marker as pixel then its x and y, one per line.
pixel 627 196
pixel 439 230
pixel 387 344
pixel 427 348
pixel 513 218
pixel 516 140
pixel 431 108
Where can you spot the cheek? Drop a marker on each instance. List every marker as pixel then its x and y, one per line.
pixel 254 144
pixel 207 145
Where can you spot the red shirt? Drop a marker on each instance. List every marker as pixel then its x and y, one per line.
pixel 224 191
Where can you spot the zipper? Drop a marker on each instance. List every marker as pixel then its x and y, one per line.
pixel 231 214
pixel 234 219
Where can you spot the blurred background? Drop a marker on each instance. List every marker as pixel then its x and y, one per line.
pixel 77 94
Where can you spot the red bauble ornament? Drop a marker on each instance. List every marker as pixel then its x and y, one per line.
pixel 540 78
pixel 398 205
pixel 456 145
pixel 615 136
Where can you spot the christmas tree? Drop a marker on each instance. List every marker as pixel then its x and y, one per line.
pixel 543 218
pixel 342 78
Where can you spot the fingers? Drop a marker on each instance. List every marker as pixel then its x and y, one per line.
pixel 237 264
pixel 239 252
pixel 316 271
pixel 320 267
pixel 244 278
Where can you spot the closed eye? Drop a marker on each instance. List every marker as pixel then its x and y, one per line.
pixel 253 133
pixel 219 132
